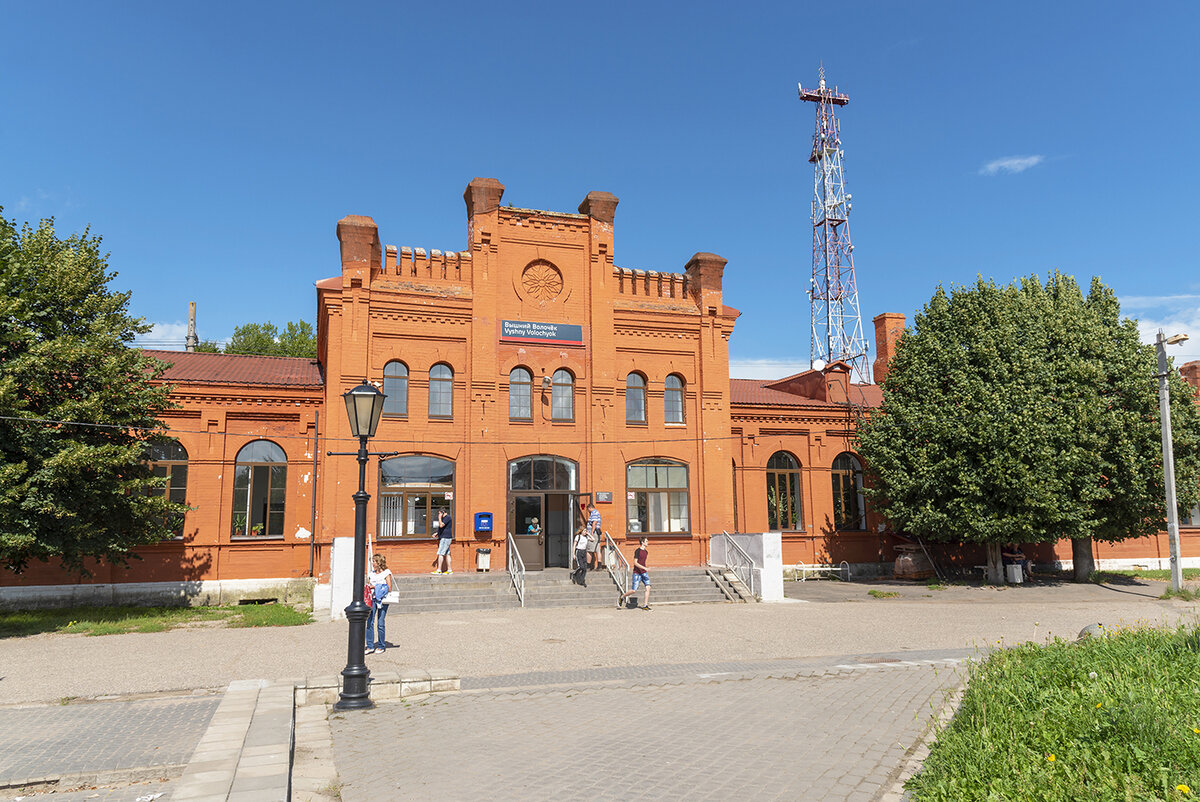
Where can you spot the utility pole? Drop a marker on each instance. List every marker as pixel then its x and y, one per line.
pixel 1164 413
pixel 192 339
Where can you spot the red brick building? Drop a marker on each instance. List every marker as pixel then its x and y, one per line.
pixel 526 374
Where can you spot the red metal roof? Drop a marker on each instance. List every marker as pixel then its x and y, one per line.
pixel 200 368
pixel 757 391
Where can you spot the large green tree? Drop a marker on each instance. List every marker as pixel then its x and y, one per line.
pixel 77 406
pixel 1029 413
pixel 296 339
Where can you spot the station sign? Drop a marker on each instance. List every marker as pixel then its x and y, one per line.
pixel 540 333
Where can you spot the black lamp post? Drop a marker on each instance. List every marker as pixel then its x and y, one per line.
pixel 364 405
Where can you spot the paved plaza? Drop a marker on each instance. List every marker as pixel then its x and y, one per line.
pixel 838 733
pixel 821 697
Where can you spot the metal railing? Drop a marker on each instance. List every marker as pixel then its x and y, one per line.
pixel 618 566
pixel 516 570
pixel 738 561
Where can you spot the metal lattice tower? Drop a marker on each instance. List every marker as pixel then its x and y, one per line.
pixel 836 324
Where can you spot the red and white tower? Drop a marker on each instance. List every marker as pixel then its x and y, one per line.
pixel 836 324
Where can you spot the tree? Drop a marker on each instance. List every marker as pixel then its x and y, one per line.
pixel 1026 413
pixel 264 339
pixel 78 406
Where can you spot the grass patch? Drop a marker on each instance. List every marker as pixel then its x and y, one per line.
pixel 1107 718
pixel 883 594
pixel 1183 593
pixel 119 620
pixel 1154 573
pixel 935 585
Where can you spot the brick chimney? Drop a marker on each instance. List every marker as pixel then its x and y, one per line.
pixel 889 327
pixel 361 252
pixel 704 272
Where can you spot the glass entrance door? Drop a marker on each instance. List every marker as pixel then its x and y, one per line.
pixel 526 512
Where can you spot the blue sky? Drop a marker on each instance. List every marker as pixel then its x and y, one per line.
pixel 215 145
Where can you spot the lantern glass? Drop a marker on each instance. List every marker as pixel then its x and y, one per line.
pixel 364 406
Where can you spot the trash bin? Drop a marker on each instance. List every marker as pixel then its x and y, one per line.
pixel 483 559
pixel 1016 574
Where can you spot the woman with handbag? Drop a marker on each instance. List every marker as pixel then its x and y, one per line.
pixel 381 582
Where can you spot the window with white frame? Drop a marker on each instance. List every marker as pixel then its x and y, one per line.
pixel 395 387
pixel 673 399
pixel 562 395
pixel 783 493
pixel 635 398
pixel 413 488
pixel 441 391
pixel 657 497
pixel 849 511
pixel 259 491
pixel 520 394
pixel 168 461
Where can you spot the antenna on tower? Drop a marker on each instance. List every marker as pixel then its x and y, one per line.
pixel 836 323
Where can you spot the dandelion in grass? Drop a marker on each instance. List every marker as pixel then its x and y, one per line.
pixel 1183 789
pixel 1195 730
pixel 1091 675
pixel 1099 705
pixel 1050 758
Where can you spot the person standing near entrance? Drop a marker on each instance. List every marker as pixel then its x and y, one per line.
pixel 593 544
pixel 445 534
pixel 640 576
pixel 579 576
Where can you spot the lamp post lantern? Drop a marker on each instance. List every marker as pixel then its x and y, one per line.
pixel 1164 410
pixel 364 405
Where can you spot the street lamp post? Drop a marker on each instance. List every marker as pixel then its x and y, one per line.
pixel 364 405
pixel 1164 412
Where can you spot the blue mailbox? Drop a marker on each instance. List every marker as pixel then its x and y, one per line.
pixel 483 522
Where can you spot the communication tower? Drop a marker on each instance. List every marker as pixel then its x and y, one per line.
pixel 836 324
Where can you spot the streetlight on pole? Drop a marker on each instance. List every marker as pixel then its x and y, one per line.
pixel 1164 412
pixel 364 405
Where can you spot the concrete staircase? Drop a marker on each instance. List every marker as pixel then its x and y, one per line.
pixel 430 593
pixel 427 593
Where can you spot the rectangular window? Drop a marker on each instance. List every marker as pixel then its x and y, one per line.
pixel 440 394
pixel 410 514
pixel 1192 518
pixel 520 401
pixel 658 512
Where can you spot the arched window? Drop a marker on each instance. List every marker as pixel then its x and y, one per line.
pixel 543 472
pixel 520 394
pixel 259 491
pixel 635 398
pixel 168 461
pixel 395 387
pixel 783 493
pixel 673 399
pixel 441 391
pixel 562 395
pixel 848 508
pixel 657 497
pixel 412 490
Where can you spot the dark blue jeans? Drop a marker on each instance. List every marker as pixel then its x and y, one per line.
pixel 378 614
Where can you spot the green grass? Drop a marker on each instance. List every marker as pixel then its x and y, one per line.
pixel 1163 574
pixel 1109 718
pixel 1184 594
pixel 118 620
pixel 883 594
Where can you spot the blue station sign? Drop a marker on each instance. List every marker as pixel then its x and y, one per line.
pixel 541 333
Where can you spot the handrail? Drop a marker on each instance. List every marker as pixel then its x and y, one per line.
pixel 619 570
pixel 516 569
pixel 741 563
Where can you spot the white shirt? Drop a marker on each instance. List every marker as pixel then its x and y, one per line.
pixel 581 541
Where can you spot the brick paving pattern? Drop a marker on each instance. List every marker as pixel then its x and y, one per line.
pixel 836 734
pixel 52 741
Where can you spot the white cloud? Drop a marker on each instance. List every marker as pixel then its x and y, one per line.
pixel 765 368
pixel 164 336
pixel 1011 164
pixel 1152 301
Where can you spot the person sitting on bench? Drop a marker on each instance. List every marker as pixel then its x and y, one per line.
pixel 1011 554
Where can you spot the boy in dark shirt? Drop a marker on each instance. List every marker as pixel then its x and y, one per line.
pixel 640 576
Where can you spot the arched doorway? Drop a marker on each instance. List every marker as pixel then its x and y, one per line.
pixel 544 487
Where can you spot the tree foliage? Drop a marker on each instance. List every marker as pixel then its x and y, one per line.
pixel 77 405
pixel 1028 413
pixel 297 339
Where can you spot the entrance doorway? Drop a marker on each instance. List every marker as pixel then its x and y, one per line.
pixel 545 488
